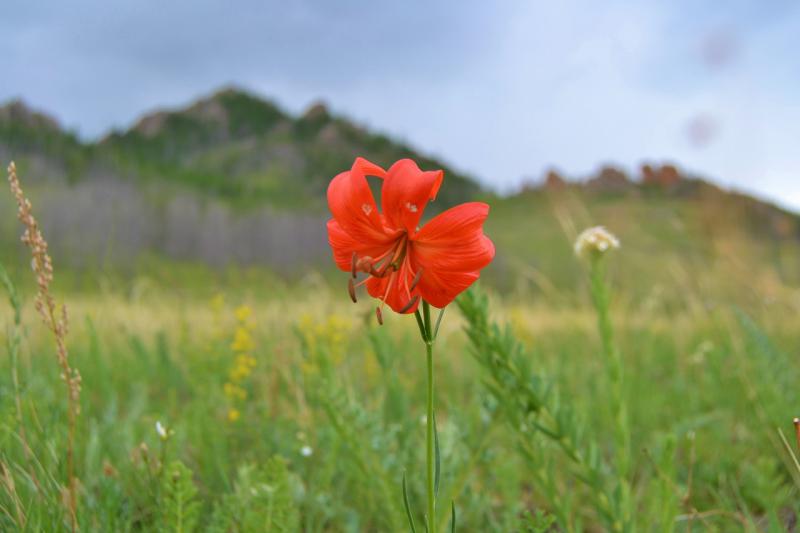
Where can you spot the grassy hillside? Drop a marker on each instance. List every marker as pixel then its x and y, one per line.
pixel 710 242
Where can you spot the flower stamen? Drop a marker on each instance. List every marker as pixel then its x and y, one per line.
pixel 415 281
pixel 381 272
pixel 411 303
pixel 400 252
pixel 351 289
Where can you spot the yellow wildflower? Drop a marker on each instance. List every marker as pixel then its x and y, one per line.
pixel 238 373
pixel 242 341
pixel 243 314
pixel 234 391
pixel 245 360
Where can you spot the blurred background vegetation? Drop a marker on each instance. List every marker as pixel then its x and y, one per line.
pixel 232 187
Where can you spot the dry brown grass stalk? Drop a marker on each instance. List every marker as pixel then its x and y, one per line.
pixel 56 321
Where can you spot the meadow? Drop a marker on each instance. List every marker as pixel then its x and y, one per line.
pixel 646 388
pixel 297 412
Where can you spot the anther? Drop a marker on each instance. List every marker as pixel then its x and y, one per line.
pixel 353 264
pixel 416 279
pixel 410 304
pixel 379 315
pixel 351 289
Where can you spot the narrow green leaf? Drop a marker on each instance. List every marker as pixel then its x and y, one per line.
pixel 408 507
pixel 436 459
pixel 421 325
pixel 452 517
pixel 438 323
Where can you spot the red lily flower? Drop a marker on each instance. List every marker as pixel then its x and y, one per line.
pixel 405 264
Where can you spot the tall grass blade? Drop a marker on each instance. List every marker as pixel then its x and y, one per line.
pixel 408 507
pixel 789 450
pixel 13 296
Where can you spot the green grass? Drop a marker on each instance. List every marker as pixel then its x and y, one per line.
pixel 706 390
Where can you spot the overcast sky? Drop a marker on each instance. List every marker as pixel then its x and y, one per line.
pixel 503 90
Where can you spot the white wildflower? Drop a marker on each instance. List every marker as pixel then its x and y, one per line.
pixel 595 241
pixel 306 451
pixel 161 430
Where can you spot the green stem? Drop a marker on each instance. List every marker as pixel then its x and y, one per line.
pixel 616 375
pixel 430 442
pixel 426 311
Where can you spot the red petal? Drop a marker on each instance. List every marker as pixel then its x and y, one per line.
pixel 344 245
pixel 406 191
pixel 369 168
pixel 454 241
pixel 451 249
pixel 353 206
pixel 441 288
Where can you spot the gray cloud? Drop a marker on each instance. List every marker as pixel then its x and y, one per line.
pixel 503 90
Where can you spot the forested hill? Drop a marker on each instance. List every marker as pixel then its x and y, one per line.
pixel 230 145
